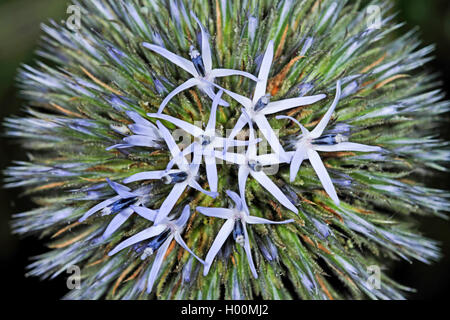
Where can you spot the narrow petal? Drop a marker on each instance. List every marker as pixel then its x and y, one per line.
pixel 304 130
pixel 347 146
pixel 270 186
pixel 242 180
pixel 211 172
pixel 236 158
pixel 251 149
pixel 186 126
pixel 117 221
pixel 270 135
pixel 172 57
pixel 220 239
pixel 119 146
pixel 150 132
pixel 258 220
pixel 217 73
pixel 263 75
pixel 211 126
pixel 145 213
pixel 248 252
pixel 197 160
pixel 209 90
pixel 244 101
pixel 173 148
pixel 281 105
pixel 206 49
pixel 181 160
pixel 269 159
pixel 235 197
pixel 141 141
pixel 157 263
pixel 98 207
pixel 184 217
pixel 146 175
pixel 186 85
pixel 194 184
pixel 141 236
pixel 121 190
pixel 171 200
pixel 181 242
pixel 222 213
pixel 322 173
pixel 296 162
pixel 139 120
pixel 318 130
pixel 240 123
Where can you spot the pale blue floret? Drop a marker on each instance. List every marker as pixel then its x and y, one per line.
pixel 200 67
pixel 237 219
pixel 310 142
pixel 260 106
pixel 120 205
pixel 161 235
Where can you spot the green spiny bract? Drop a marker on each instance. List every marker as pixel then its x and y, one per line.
pixel 78 102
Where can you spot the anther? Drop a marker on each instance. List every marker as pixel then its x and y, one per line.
pixel 330 139
pixel 173 178
pixel 238 232
pixel 154 244
pixel 255 165
pixel 197 60
pixel 262 102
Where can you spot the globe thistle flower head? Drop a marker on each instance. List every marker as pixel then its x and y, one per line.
pixel 166 160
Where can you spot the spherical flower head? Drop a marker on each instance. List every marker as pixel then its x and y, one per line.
pixel 175 153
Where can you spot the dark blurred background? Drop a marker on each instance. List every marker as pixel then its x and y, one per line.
pixel 19 34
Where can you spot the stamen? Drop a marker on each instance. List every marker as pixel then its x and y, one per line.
pixel 262 102
pixel 340 138
pixel 238 232
pixel 173 178
pixel 205 140
pixel 197 60
pixel 154 244
pixel 329 139
pixel 255 165
pixel 119 205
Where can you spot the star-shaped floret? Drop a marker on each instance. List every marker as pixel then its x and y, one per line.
pixel 207 141
pixel 119 205
pixel 181 178
pixel 237 219
pixel 252 164
pixel 200 67
pixel 260 106
pixel 310 142
pixel 161 235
